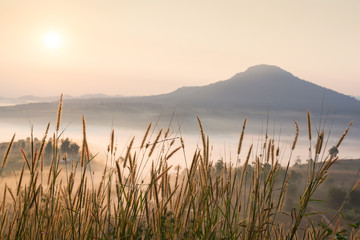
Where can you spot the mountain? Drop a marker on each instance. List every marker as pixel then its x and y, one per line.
pixel 28 99
pixel 222 104
pixel 35 99
pixel 259 86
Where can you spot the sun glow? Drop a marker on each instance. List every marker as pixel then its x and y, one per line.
pixel 52 40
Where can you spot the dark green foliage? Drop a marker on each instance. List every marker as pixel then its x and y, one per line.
pixel 48 148
pixel 333 151
pixel 355 198
pixel 16 161
pixel 336 196
pixel 65 146
pixel 219 165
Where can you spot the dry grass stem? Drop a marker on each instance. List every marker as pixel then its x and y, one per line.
pixel 58 118
pixel 344 134
pixel 241 136
pixel 7 152
pixel 296 135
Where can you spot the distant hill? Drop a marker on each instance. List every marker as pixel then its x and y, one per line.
pixel 35 99
pixel 258 86
pixel 221 104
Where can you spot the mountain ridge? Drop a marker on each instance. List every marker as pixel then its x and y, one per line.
pixel 250 93
pixel 259 79
pixel 258 86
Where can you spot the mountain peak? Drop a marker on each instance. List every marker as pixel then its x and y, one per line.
pixel 263 84
pixel 263 70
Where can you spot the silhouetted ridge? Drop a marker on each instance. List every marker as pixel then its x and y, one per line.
pixel 259 86
pixel 264 70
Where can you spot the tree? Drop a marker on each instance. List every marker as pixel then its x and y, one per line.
pixel 65 146
pixel 333 151
pixel 48 147
pixel 297 161
pixel 219 165
pixel 22 143
pixel 74 148
pixel 310 161
pixel 267 168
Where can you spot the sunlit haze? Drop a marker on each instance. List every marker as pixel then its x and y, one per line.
pixel 151 47
pixel 52 40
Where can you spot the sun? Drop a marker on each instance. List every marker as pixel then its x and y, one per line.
pixel 52 40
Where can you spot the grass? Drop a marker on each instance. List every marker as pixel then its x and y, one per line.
pixel 205 201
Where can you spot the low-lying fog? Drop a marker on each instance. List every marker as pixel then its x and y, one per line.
pixel 223 146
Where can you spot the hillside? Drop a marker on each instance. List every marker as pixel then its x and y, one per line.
pixel 258 86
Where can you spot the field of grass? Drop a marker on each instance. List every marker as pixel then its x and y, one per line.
pixel 207 200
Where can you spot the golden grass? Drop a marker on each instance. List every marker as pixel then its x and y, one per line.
pixel 203 202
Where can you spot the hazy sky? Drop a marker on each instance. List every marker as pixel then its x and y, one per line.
pixel 154 46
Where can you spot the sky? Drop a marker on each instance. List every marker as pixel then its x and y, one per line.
pixel 145 47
